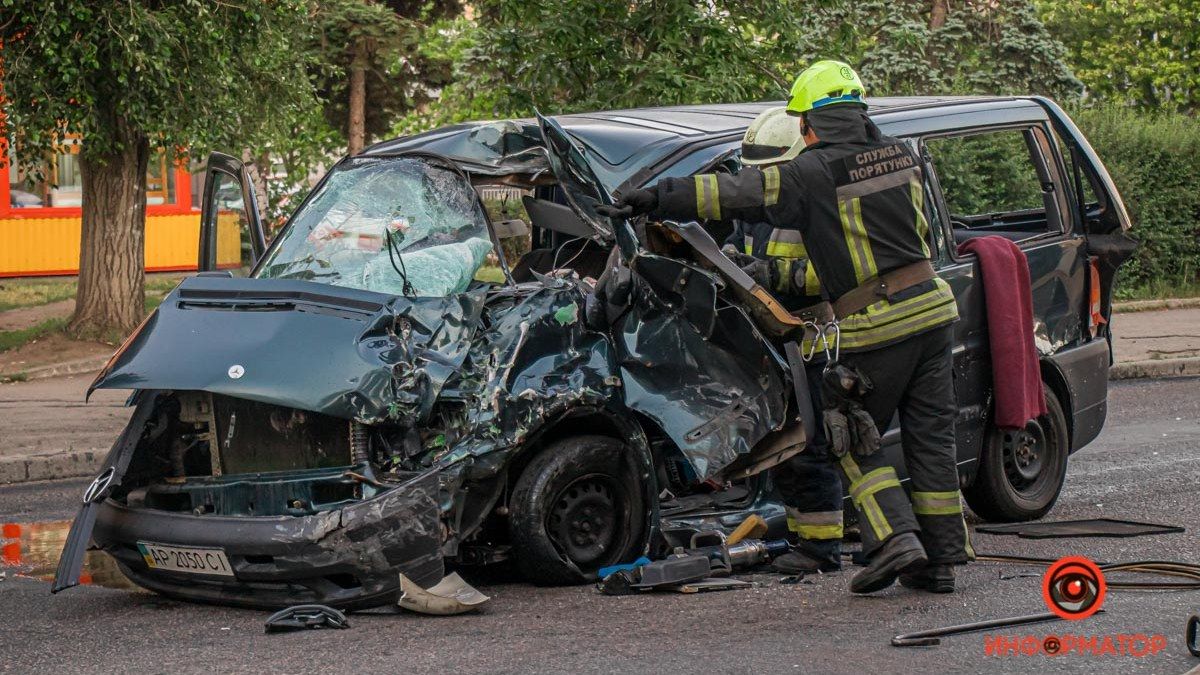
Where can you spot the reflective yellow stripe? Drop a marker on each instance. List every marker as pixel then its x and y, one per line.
pixel 869 484
pixel 783 270
pixel 851 468
pixel 866 501
pixel 708 203
pixel 816 531
pixel 910 326
pixel 748 244
pixel 785 243
pixel 936 503
pixel 918 200
pixel 884 312
pixel 815 524
pixel 781 250
pixel 812 284
pixel 770 186
pixel 850 212
pixel 866 240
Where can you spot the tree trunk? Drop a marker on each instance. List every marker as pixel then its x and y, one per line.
pixel 937 15
pixel 356 129
pixel 258 167
pixel 111 297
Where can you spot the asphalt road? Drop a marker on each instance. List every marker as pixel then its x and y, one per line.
pixel 1144 467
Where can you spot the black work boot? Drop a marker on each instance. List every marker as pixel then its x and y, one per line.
pixel 934 578
pixel 901 554
pixel 801 562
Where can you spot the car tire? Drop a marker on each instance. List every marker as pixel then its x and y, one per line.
pixel 1021 473
pixel 577 507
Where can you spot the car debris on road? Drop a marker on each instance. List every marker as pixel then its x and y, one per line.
pixel 449 596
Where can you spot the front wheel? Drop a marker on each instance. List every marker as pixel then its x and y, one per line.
pixel 577 507
pixel 1021 472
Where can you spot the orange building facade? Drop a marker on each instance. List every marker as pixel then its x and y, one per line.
pixel 40 217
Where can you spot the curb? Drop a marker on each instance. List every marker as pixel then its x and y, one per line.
pixel 50 466
pixel 88 365
pixel 1153 305
pixel 1155 368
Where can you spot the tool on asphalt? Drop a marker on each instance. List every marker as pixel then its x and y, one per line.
pixel 753 527
pixel 692 569
pixel 452 595
pixel 305 617
pixel 725 556
pixel 623 567
pixel 706 585
pixel 929 638
pixel 673 570
pixel 1192 635
pixel 1189 571
pixel 1090 527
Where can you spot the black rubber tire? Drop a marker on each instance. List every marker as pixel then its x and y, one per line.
pixel 1005 492
pixel 577 481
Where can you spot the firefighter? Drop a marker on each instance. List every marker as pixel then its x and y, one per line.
pixel 808 482
pixel 857 199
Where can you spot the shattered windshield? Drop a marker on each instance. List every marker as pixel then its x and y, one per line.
pixel 398 225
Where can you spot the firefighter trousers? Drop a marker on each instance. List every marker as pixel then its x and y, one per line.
pixel 810 487
pixel 912 377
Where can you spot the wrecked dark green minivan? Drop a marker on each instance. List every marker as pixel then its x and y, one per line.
pixel 361 406
pixel 381 393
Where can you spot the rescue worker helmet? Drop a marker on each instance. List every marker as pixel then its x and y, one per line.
pixel 825 83
pixel 772 137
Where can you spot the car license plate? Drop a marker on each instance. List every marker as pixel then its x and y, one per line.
pixel 210 561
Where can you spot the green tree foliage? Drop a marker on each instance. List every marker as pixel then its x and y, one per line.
pixel 176 74
pixel 596 54
pixel 1152 159
pixel 1132 51
pixel 904 47
pixel 377 41
pixel 132 75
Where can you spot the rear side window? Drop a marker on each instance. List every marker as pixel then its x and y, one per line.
pixel 996 182
pixel 986 173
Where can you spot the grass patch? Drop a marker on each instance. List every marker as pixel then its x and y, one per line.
pixel 162 283
pixel 11 339
pixel 1157 290
pixel 13 377
pixel 16 293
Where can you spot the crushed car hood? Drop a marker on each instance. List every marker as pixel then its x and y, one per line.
pixel 333 350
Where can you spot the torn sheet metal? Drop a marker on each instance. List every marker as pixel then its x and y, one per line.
pixel 448 597
pixel 715 391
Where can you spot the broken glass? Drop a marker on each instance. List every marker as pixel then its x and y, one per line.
pixel 398 225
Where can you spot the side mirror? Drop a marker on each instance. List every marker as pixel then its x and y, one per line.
pixel 231 231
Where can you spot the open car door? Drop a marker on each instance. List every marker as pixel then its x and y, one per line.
pixel 231 230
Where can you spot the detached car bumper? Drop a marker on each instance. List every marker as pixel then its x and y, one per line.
pixel 348 558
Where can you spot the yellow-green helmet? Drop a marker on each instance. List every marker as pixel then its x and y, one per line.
pixel 825 83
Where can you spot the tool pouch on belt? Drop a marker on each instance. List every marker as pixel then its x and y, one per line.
pixel 848 425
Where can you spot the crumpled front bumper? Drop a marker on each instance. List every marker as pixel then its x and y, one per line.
pixel 348 558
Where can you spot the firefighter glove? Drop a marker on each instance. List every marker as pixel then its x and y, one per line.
pixel 837 430
pixel 632 203
pixel 848 425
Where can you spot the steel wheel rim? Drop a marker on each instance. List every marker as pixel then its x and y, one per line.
pixel 583 519
pixel 1026 455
